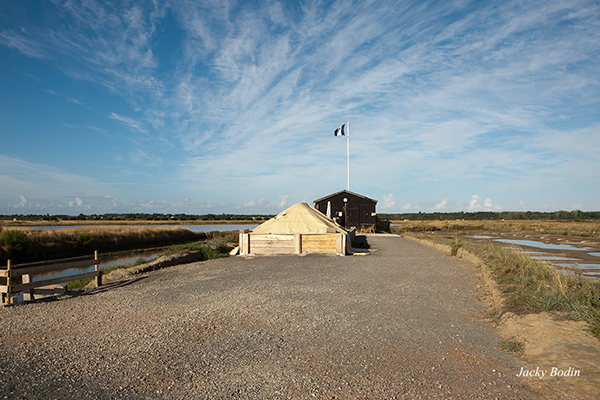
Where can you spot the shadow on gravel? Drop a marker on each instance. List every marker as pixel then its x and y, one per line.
pixel 113 285
pixel 80 293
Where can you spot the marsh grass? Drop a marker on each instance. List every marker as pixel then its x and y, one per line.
pixel 457 244
pixel 531 286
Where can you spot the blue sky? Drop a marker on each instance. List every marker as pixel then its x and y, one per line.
pixel 229 107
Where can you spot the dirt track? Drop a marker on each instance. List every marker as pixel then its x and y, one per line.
pixel 401 322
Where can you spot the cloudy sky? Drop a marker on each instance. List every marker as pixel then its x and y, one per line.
pixel 221 106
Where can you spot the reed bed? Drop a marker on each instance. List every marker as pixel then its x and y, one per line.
pixel 566 228
pixel 9 224
pixel 60 243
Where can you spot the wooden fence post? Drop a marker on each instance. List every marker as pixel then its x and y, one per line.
pixel 27 295
pixel 8 294
pixel 99 276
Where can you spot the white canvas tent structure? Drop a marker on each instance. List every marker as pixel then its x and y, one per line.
pixel 296 230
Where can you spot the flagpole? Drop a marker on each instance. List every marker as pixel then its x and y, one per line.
pixel 348 151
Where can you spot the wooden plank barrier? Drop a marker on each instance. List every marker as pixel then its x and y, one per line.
pixel 11 290
pixel 319 243
pixel 272 244
pixel 256 244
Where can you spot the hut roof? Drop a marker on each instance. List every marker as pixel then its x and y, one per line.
pixel 345 192
pixel 299 218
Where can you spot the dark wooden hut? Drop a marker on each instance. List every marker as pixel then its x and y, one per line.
pixel 350 210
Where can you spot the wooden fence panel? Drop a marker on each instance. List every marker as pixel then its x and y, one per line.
pixel 27 270
pixel 32 285
pixel 40 269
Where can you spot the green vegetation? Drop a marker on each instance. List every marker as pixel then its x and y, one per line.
pixel 455 246
pixel 85 240
pixel 15 244
pixel 531 286
pixel 513 346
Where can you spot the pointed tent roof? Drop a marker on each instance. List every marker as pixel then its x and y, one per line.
pixel 299 218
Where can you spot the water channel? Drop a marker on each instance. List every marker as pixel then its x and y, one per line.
pixel 580 256
pixel 129 257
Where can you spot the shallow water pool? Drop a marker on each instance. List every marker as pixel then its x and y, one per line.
pixel 542 245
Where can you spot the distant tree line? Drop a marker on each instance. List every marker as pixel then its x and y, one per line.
pixel 420 216
pixel 490 215
pixel 137 217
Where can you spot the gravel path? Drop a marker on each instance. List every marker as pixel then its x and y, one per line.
pixel 401 322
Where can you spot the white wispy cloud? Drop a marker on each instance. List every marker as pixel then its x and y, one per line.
pixel 22 43
pixel 130 123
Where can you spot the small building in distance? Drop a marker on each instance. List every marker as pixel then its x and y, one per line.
pixel 350 210
pixel 299 229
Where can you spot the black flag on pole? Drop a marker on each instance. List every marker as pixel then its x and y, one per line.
pixel 341 131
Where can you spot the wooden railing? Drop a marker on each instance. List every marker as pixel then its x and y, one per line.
pixel 11 289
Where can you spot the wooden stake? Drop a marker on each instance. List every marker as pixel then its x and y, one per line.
pixel 99 276
pixel 8 294
pixel 29 294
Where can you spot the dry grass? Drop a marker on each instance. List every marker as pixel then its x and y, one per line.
pixel 566 228
pixel 10 224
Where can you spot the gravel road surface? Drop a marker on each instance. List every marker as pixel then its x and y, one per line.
pixel 401 322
